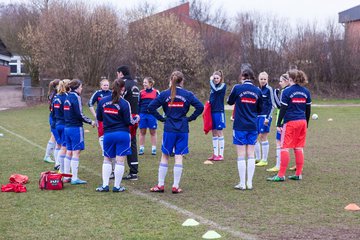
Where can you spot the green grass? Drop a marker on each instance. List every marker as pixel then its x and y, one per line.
pixel 336 101
pixel 311 208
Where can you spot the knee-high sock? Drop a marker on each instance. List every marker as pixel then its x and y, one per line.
pixel 106 172
pixel 250 171
pixel 215 141
pixel 56 153
pixel 61 162
pixel 221 145
pixel 67 163
pixel 265 150
pixel 74 168
pixel 101 143
pixel 299 159
pixel 163 167
pixel 49 149
pixel 277 157
pixel 241 164
pixel 285 158
pixel 118 172
pixel 257 151
pixel 178 168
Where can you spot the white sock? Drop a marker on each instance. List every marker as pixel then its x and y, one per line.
pixel 56 153
pixel 257 150
pixel 221 145
pixel 278 157
pixel 250 171
pixel 101 142
pixel 67 162
pixel 118 172
pixel 215 141
pixel 241 164
pixel 74 168
pixel 153 148
pixel 49 149
pixel 106 172
pixel 178 168
pixel 265 150
pixel 61 162
pixel 142 147
pixel 163 167
pixel 113 161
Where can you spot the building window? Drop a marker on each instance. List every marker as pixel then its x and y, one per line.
pixel 13 69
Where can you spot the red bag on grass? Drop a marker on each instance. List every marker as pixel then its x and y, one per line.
pixel 207 119
pixel 13 187
pixel 19 178
pixel 52 180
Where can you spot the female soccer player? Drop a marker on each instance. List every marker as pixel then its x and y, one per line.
pixel 264 120
pixel 59 122
pixel 217 95
pixel 115 113
pixel 74 132
pixel 175 102
pixel 146 119
pixel 248 104
pixel 284 83
pixel 295 111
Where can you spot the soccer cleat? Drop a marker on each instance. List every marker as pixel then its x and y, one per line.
pixel 292 168
pixel 176 190
pixel 130 176
pixel 78 181
pixel 218 158
pixel 102 189
pixel 67 180
pixel 240 187
pixel 276 178
pixel 212 157
pixel 141 151
pixel 112 175
pixel 48 160
pixel 153 152
pixel 257 160
pixel 249 187
pixel 273 169
pixel 57 167
pixel 262 163
pixel 119 189
pixel 157 188
pixel 294 177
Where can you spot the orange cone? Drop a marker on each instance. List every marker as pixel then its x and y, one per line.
pixel 352 207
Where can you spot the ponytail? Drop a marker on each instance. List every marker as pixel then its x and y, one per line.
pixel 63 86
pixel 298 76
pixel 117 87
pixel 175 79
pixel 52 87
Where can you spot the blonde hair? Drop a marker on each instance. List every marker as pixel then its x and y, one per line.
pixel 63 86
pixel 175 79
pixel 264 74
pixel 150 80
pixel 104 80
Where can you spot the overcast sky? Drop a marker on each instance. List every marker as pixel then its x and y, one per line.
pixel 294 10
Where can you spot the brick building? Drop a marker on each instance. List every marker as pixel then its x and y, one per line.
pixel 5 56
pixel 351 20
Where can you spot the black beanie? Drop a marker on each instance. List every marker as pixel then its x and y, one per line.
pixel 124 70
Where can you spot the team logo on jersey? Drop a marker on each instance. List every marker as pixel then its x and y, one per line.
pixel 111 111
pixel 99 98
pixel 57 105
pixel 66 108
pixel 298 100
pixel 248 100
pixel 176 104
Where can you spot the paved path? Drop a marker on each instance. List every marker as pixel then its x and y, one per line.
pixel 11 97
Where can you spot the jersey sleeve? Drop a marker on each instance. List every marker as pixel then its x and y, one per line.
pixel 154 105
pixel 199 108
pixel 232 97
pixel 93 99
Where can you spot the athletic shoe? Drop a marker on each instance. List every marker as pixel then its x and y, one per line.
pixel 157 188
pixel 78 181
pixel 273 169
pixel 130 176
pixel 48 160
pixel 102 189
pixel 112 175
pixel 240 187
pixel 261 163
pixel 212 157
pixel 218 158
pixel 141 151
pixel 294 177
pixel 276 178
pixel 257 160
pixel 67 180
pixel 172 154
pixel 153 152
pixel 175 190
pixel 119 189
pixel 249 187
pixel 292 168
pixel 57 167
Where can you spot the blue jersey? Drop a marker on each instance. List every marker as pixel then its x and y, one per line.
pixel 97 96
pixel 73 114
pixel 58 109
pixel 295 98
pixel 176 119
pixel 145 97
pixel 268 101
pixel 248 104
pixel 115 117
pixel 217 95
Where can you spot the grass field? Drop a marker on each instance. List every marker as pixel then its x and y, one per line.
pixel 309 209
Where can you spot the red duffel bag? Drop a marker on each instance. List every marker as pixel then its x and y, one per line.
pixel 52 180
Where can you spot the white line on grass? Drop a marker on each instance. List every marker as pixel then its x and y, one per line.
pixel 154 199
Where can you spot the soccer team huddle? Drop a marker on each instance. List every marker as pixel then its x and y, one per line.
pixel 124 108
